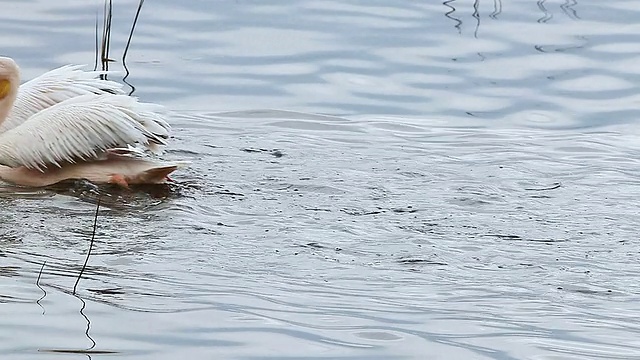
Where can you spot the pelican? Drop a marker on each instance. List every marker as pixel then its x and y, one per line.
pixel 68 124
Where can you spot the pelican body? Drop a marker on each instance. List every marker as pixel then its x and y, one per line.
pixel 67 124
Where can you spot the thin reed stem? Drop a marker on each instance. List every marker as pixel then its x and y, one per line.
pixel 93 235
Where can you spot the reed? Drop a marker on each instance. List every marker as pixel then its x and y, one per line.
pixel 103 42
pixel 93 236
pixel 102 59
pixel 126 48
pixel 102 49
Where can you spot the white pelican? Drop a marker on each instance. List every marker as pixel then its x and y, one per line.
pixel 67 124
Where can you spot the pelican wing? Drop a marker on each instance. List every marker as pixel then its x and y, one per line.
pixel 82 128
pixel 54 87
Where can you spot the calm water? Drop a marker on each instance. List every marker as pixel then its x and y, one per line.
pixel 395 180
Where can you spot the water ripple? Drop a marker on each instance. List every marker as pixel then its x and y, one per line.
pixel 368 181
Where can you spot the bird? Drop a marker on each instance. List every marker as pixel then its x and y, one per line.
pixel 69 124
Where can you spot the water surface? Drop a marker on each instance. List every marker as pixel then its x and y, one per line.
pixel 369 181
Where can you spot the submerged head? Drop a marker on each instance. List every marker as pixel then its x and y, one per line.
pixel 9 83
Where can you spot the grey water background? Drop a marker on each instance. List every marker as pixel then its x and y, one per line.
pixel 370 180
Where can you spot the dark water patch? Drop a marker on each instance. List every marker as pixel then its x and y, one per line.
pixel 521 238
pixel 544 188
pixel 112 291
pixel 274 152
pixel 9 271
pixel 313 245
pixel 79 351
pixel 229 193
pixel 420 261
pixel 586 291
pixel 362 212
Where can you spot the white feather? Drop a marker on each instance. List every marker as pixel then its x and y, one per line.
pixel 54 87
pixel 82 128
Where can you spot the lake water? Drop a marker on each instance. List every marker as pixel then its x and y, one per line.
pixel 370 180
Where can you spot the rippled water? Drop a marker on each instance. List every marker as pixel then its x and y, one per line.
pixel 454 180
